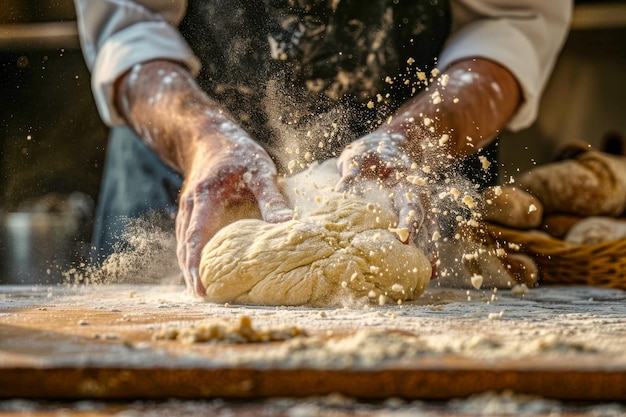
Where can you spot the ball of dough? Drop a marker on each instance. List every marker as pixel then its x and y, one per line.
pixel 337 247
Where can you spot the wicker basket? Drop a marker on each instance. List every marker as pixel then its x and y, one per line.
pixel 560 262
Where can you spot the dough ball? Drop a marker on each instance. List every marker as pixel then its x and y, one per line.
pixel 337 247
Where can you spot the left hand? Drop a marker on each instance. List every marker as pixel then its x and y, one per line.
pixel 230 169
pixel 381 157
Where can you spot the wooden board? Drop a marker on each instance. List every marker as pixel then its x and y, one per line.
pixel 98 342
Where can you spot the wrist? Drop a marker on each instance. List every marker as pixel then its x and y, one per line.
pixel 172 115
pixel 412 136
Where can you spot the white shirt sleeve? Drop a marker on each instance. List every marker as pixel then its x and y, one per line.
pixel 525 36
pixel 115 35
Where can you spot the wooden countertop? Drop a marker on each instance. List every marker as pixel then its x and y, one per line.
pixel 98 342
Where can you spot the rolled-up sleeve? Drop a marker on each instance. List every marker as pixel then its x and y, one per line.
pixel 116 35
pixel 523 36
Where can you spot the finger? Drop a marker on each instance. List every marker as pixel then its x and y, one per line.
pixel 272 203
pixel 348 178
pixel 415 215
pixel 204 222
pixel 410 211
pixel 358 183
pixel 185 208
pixel 428 244
pixel 427 238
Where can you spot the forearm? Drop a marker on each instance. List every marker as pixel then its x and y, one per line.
pixel 166 108
pixel 461 112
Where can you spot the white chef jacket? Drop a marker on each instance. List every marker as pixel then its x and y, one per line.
pixel 524 36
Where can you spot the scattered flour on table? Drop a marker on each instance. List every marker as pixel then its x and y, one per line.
pixel 374 336
pixel 560 323
pixel 496 404
pixel 223 332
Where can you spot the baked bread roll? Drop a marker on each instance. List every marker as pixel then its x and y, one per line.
pixel 513 207
pixel 557 225
pixel 523 268
pixel 595 230
pixel 592 184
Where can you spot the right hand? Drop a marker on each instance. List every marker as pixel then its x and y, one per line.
pixel 381 157
pixel 231 170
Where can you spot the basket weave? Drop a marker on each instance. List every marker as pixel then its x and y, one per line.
pixel 560 262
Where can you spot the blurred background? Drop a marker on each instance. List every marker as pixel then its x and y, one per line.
pixel 52 141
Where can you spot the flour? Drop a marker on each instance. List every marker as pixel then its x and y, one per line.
pixel 507 403
pixel 145 253
pixel 486 404
pixel 568 328
pixel 545 323
pixel 223 332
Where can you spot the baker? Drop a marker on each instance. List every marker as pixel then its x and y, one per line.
pixel 209 100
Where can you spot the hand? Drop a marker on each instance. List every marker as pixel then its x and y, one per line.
pixel 221 164
pixel 234 169
pixel 381 157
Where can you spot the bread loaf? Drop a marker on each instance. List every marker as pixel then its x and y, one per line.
pixel 558 225
pixel 595 230
pixel 513 207
pixel 592 184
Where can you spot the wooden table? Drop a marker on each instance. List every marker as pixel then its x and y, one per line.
pixel 97 342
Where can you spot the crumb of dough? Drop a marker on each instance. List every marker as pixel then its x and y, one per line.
pixel 469 201
pixel 514 246
pixel 484 162
pixel 495 316
pixel 477 281
pixel 520 289
pixel 221 332
pixel 416 180
pixel 403 233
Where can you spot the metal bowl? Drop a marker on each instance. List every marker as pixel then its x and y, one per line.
pixel 38 247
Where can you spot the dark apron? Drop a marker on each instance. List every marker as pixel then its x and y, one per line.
pixel 295 73
pixel 299 72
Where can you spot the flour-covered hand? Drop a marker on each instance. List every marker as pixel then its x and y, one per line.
pixel 233 169
pixel 381 157
pixel 222 165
